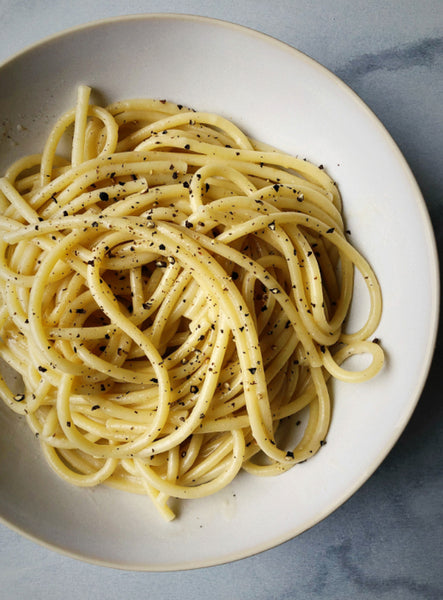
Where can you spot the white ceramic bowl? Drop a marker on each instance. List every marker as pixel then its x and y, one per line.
pixel 282 97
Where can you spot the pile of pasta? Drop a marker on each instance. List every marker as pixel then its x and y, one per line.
pixel 171 291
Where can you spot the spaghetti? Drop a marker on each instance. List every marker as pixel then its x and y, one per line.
pixel 170 293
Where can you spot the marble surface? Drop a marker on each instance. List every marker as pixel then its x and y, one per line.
pixel 386 541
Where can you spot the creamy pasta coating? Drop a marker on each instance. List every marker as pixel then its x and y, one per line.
pixel 170 293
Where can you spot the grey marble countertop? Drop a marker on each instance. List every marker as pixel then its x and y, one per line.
pixel 386 542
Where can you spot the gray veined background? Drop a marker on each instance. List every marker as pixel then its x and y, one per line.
pixel 385 543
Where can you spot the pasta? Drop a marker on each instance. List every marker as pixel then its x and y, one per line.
pixel 173 295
